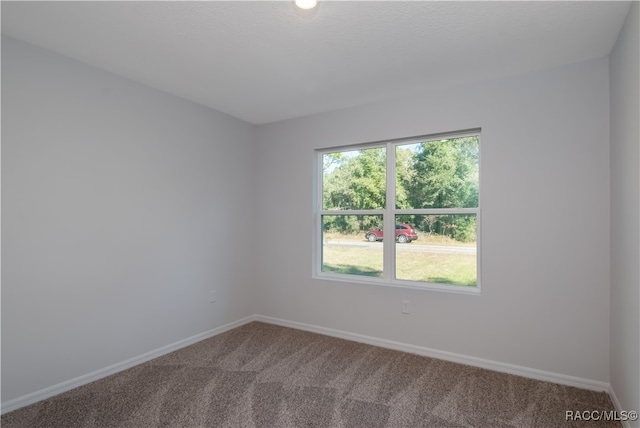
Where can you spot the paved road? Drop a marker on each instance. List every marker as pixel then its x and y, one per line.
pixel 414 246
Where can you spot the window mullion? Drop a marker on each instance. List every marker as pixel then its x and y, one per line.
pixel 318 208
pixel 437 211
pixel 389 255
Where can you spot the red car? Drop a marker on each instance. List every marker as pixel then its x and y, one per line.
pixel 404 233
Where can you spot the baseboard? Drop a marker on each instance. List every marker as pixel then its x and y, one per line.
pixel 45 393
pixel 619 409
pixel 546 376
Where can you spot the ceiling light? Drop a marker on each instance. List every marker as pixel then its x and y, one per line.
pixel 306 4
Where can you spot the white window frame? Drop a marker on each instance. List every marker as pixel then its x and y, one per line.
pixel 388 214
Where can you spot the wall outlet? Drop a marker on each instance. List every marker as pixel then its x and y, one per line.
pixel 212 296
pixel 405 307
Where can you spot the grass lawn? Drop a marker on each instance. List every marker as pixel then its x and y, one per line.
pixel 411 263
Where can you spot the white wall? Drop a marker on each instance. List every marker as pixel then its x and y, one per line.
pixel 545 223
pixel 122 206
pixel 625 214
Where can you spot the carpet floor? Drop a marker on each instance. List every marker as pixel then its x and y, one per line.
pixel 261 375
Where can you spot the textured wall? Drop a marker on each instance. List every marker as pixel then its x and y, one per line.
pixel 545 217
pixel 625 214
pixel 120 211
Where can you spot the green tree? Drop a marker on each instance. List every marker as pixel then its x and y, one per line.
pixel 444 174
pixel 405 173
pixel 351 182
pixel 432 174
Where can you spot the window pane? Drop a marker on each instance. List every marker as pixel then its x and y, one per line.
pixel 350 246
pixel 445 251
pixel 354 180
pixel 438 174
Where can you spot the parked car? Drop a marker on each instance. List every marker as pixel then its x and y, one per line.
pixel 404 233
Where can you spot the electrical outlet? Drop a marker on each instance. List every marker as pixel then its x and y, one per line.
pixel 405 307
pixel 212 296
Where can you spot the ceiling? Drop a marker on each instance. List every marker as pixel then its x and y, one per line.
pixel 265 61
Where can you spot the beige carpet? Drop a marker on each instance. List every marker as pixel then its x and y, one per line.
pixel 268 376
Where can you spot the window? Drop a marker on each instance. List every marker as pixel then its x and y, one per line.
pixel 425 189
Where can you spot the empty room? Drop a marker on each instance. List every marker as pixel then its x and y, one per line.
pixel 197 200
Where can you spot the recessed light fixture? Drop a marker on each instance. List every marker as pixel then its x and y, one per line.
pixel 306 4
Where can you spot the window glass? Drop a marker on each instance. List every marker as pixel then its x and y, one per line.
pixel 350 244
pixel 444 252
pixel 354 180
pixel 433 217
pixel 438 174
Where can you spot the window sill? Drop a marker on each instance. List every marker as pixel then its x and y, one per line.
pixel 411 285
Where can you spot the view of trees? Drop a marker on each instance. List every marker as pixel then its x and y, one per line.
pixel 433 174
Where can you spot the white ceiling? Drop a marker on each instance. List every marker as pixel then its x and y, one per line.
pixel 266 61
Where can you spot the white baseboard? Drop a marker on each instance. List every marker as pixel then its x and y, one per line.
pixel 45 393
pixel 546 376
pixel 619 409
